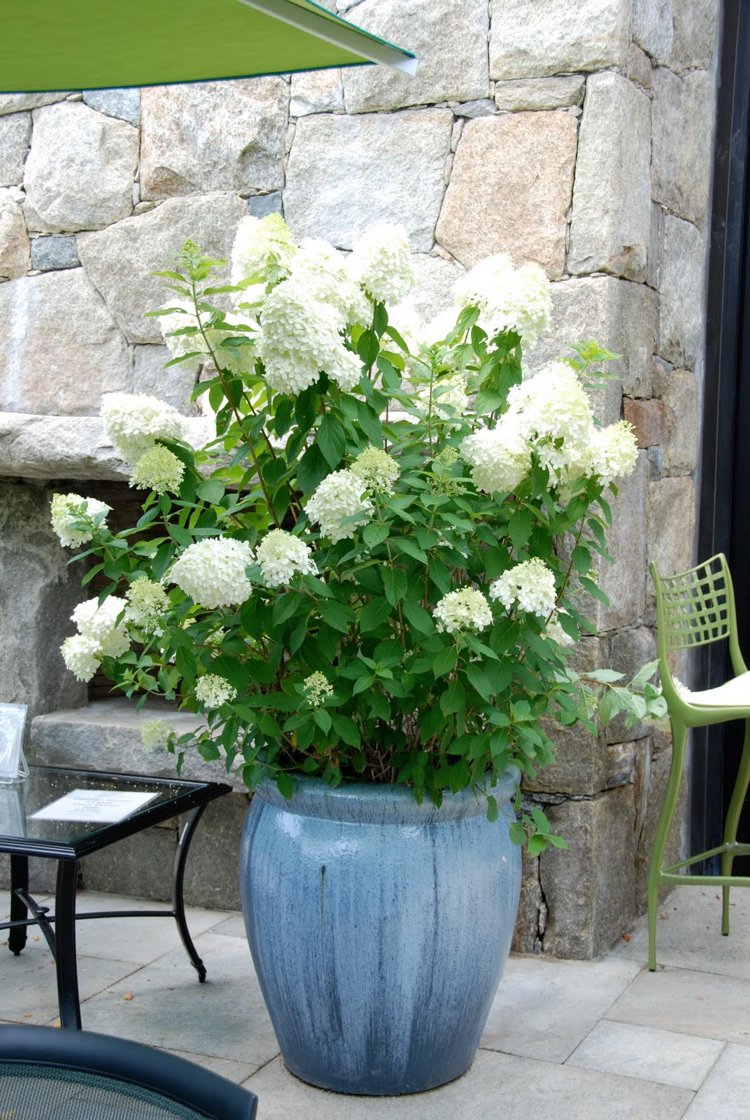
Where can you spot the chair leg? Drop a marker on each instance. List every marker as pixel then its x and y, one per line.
pixel 679 737
pixel 732 822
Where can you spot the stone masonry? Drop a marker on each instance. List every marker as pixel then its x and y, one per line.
pixel 576 134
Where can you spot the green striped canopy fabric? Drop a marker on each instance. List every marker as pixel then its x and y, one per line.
pixel 94 44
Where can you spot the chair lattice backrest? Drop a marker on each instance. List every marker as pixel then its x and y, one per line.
pixel 697 607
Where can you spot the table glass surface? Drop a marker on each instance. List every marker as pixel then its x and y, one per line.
pixel 19 801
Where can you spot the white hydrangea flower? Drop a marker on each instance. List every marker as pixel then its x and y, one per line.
pixel 508 298
pixel 156 733
pixel 464 609
pixel 530 585
pixel 147 603
pixel 555 631
pixel 500 457
pixel 280 555
pixel 99 624
pixel 381 262
pixel 299 338
pixel 134 422
pixel 317 689
pixel 377 470
pixel 553 406
pixel 612 452
pixel 322 270
pixel 340 495
pixel 450 400
pixel 262 246
pixel 213 691
pixel 67 508
pixel 81 656
pixel 212 572
pixel 158 469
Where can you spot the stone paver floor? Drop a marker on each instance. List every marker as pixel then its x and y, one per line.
pixel 569 1040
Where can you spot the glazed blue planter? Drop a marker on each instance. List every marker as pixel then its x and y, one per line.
pixel 379 929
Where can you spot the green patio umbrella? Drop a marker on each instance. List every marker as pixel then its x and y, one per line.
pixel 93 44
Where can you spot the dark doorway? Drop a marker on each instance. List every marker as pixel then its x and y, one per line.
pixel 724 523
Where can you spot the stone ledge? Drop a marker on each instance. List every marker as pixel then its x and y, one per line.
pixel 106 735
pixel 70 447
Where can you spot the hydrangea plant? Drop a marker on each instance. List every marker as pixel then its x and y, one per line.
pixel 376 567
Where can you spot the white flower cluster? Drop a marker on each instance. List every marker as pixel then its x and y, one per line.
pixel 341 495
pixel 156 733
pixel 134 422
pixel 280 555
pixel 158 469
pixel 99 635
pixel 147 603
pixel 262 247
pixel 551 407
pixel 323 271
pixel 377 469
pixel 317 689
pixel 551 414
pixel 212 572
pixel 612 452
pixel 530 585
pixel 213 691
pixel 465 609
pixel 381 262
pixel 508 298
pixel 68 508
pixel 301 337
pixel 500 457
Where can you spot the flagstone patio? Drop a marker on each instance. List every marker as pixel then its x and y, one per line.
pixel 566 1039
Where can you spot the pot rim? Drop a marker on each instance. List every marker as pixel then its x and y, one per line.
pixel 374 803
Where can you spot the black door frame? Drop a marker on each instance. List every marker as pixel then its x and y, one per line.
pixel 724 520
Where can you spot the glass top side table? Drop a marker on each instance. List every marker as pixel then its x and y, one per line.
pixel 22 835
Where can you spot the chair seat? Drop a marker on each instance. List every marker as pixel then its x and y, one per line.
pixel 733 694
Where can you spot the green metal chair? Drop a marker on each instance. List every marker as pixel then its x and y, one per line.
pixel 694 609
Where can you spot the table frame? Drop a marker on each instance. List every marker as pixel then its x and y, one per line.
pixel 59 929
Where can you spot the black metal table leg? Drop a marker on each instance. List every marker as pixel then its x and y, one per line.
pixel 19 881
pixel 178 877
pixel 65 944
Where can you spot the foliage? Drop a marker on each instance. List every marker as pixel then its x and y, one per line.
pixel 387 632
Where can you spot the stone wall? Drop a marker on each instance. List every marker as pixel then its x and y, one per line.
pixel 575 133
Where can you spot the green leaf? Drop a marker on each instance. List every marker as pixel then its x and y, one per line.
pixel 444 662
pixel 181 536
pixel 347 730
pixel 285 606
pixel 411 548
pixel 395 584
pixel 517 833
pixel 322 719
pixel 492 811
pixel 519 527
pixel 418 617
pixel 368 347
pixel 581 558
pixel 374 533
pixel 540 819
pixel 369 422
pixel 479 681
pixel 453 699
pixel 285 785
pixel 331 439
pixel 312 469
pixel 374 614
pixel 211 491
pixel 336 614
pixel 488 400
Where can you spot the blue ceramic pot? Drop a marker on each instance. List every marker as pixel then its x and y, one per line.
pixel 379 929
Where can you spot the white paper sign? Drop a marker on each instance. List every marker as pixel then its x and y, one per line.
pixel 102 806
